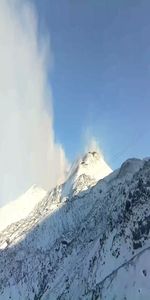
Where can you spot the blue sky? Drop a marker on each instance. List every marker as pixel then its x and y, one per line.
pixel 101 74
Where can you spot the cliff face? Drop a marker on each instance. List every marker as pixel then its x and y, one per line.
pixel 86 239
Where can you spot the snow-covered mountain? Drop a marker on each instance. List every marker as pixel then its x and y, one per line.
pixel 21 207
pixel 86 172
pixel 86 239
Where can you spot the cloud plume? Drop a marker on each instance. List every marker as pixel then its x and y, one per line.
pixel 28 151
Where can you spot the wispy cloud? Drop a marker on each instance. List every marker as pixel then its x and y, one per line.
pixel 28 151
pixel 91 142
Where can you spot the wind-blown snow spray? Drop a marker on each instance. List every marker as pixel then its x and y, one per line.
pixel 28 152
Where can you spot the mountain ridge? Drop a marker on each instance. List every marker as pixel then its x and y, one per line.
pixel 79 240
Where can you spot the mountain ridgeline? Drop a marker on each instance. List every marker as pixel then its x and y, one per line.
pixel 88 238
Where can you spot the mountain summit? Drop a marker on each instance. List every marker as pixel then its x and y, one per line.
pixel 87 170
pixel 89 242
pixel 93 165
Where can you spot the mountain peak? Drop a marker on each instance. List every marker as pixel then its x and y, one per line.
pixel 91 166
pixel 21 207
pixel 92 156
pixel 94 165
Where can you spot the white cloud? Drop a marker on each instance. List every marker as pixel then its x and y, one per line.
pixel 28 152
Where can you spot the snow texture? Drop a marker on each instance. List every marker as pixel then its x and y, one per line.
pixel 86 239
pixel 20 208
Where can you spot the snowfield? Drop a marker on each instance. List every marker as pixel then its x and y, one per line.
pixel 20 208
pixel 86 239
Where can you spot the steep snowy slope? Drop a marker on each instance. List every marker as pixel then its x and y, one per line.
pixel 21 207
pixel 82 175
pixel 92 244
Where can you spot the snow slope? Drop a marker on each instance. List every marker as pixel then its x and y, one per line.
pixel 94 243
pixel 21 207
